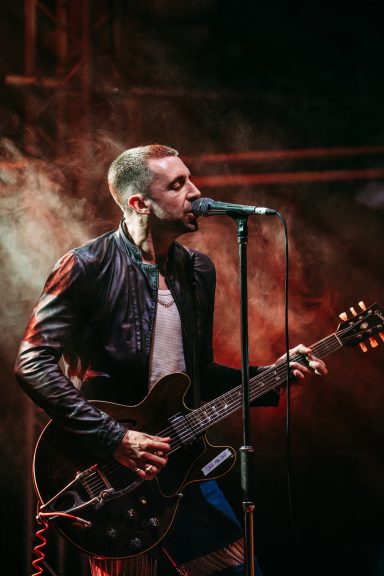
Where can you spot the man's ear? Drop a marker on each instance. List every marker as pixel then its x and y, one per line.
pixel 139 204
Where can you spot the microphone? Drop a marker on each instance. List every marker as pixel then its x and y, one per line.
pixel 209 207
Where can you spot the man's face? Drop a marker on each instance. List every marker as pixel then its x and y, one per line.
pixel 171 194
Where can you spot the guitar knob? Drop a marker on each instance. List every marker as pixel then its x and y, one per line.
pixel 153 523
pixel 130 513
pixel 112 533
pixel 136 543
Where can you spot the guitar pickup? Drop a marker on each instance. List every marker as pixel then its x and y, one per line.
pixel 183 430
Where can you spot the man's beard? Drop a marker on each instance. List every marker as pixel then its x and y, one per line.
pixel 177 223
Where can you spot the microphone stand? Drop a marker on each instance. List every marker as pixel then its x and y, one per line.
pixel 246 450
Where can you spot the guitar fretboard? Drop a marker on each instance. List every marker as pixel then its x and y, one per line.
pixel 220 408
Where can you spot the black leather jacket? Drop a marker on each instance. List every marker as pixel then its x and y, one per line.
pixel 96 313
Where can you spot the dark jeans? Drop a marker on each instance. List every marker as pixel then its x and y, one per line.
pixel 204 524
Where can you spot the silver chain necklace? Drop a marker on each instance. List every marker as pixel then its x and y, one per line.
pixel 165 304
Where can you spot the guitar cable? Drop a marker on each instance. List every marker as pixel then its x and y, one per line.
pixel 43 518
pixel 38 549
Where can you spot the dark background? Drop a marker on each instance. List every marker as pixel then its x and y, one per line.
pixel 270 103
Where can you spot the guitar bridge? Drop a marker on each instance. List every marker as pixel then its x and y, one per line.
pixel 97 484
pixel 183 429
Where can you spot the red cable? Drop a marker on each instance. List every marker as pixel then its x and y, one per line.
pixel 38 549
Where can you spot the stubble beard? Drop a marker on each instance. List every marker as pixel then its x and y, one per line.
pixel 177 223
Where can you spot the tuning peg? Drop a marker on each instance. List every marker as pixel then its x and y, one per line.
pixel 344 316
pixel 372 341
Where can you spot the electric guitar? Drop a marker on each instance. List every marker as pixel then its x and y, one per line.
pixel 103 508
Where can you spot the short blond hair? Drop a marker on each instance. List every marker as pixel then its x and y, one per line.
pixel 130 174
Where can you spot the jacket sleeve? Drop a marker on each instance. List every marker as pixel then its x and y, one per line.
pixel 57 316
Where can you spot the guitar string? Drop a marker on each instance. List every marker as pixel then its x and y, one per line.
pixel 231 404
pixel 234 405
pixel 267 383
pixel 322 348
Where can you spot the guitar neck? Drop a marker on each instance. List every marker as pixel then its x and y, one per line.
pixel 273 377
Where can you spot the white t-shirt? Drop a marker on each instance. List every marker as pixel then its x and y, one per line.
pixel 167 354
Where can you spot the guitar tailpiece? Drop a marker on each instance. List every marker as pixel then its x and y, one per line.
pixel 53 515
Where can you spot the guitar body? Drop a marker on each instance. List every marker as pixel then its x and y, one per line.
pixel 126 516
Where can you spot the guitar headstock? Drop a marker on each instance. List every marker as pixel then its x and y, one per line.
pixel 361 326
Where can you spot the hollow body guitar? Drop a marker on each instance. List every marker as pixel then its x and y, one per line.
pixel 103 508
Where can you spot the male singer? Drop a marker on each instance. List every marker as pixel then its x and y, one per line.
pixel 122 311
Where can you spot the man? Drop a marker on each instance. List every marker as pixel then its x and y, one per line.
pixel 122 311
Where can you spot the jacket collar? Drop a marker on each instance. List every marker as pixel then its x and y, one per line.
pixel 125 241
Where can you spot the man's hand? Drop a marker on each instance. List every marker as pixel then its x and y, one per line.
pixel 144 454
pixel 313 366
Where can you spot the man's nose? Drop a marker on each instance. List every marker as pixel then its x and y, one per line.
pixel 193 192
